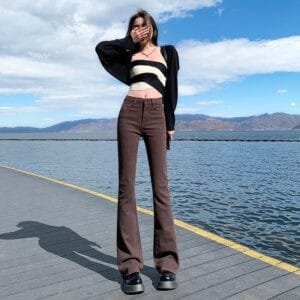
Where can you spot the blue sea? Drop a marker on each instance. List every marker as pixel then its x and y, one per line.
pixel 241 185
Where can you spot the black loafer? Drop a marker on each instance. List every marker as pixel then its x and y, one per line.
pixel 132 283
pixel 167 281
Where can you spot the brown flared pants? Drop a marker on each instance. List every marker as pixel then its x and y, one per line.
pixel 144 117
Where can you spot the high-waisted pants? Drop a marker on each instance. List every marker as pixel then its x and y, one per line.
pixel 144 117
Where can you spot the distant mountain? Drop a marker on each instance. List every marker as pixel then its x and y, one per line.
pixel 275 121
pixel 184 122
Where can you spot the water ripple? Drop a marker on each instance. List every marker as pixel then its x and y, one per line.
pixel 247 192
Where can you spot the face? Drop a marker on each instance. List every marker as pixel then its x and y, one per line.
pixel 138 23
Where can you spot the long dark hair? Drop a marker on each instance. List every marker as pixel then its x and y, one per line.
pixel 148 20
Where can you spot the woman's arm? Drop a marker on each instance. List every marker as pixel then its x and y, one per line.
pixel 171 93
pixel 115 55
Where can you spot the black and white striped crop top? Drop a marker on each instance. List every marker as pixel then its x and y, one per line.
pixel 146 74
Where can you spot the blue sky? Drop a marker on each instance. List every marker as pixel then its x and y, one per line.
pixel 238 58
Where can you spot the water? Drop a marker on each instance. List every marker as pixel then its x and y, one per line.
pixel 245 191
pixel 288 135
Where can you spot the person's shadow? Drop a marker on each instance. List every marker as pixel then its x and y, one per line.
pixel 65 242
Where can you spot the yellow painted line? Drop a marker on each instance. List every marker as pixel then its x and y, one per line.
pixel 201 232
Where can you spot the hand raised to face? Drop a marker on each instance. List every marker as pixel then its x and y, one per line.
pixel 140 33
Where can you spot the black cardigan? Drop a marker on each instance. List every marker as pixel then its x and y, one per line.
pixel 115 56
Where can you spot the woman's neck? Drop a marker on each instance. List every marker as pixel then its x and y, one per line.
pixel 146 45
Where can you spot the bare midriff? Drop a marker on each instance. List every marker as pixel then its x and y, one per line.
pixel 147 93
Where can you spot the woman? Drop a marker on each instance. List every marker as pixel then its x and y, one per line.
pixel 147 111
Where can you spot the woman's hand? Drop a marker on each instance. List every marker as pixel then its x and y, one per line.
pixel 139 34
pixel 171 135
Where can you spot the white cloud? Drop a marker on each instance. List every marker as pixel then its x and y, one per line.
pixel 281 91
pixel 27 67
pixel 18 110
pixel 209 102
pixel 47 48
pixel 188 110
pixel 205 65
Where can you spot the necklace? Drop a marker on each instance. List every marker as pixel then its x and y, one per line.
pixel 147 55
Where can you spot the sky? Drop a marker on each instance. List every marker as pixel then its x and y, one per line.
pixel 237 57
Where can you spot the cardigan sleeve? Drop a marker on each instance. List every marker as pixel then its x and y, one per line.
pixel 171 92
pixel 114 56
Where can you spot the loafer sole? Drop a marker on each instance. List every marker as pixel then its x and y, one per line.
pixel 133 289
pixel 167 285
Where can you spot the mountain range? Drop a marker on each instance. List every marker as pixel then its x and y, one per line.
pixel 184 122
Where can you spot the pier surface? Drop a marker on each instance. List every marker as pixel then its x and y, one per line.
pixel 58 242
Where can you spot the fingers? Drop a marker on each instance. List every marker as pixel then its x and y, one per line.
pixel 144 32
pixel 171 135
pixel 141 33
pixel 143 28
